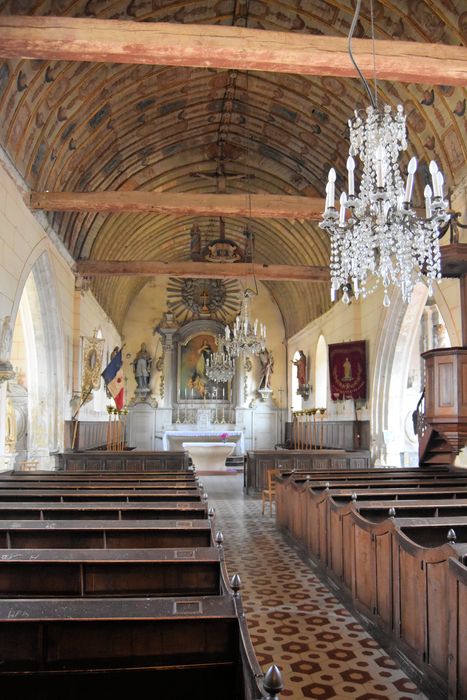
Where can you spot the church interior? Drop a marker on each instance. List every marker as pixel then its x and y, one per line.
pixel 233 306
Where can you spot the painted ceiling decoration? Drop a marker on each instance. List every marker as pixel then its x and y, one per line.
pixel 192 299
pixel 71 126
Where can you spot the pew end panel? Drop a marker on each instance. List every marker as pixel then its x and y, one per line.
pixel 421 600
pixel 457 602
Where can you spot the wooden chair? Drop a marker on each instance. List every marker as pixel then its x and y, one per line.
pixel 270 491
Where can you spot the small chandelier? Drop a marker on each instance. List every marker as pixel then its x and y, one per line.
pixel 377 232
pixel 220 366
pixel 245 338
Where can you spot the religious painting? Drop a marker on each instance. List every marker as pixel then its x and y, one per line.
pixel 347 370
pixel 194 384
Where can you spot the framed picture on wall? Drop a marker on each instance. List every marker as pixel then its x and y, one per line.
pixel 193 383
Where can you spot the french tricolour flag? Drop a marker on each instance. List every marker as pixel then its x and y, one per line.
pixel 113 378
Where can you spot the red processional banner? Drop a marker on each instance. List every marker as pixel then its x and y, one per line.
pixel 347 370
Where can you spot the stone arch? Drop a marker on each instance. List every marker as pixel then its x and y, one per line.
pixel 38 310
pixel 393 349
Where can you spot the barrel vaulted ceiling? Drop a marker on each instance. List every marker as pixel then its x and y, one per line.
pixel 83 127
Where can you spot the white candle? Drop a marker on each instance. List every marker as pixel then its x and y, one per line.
pixel 379 166
pixel 440 179
pixel 227 332
pixel 409 184
pixel 434 177
pixel 343 201
pixel 427 195
pixel 331 187
pixel 350 174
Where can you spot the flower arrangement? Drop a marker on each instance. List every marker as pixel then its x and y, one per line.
pixel 224 437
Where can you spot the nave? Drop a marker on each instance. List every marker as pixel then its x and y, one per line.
pixel 293 619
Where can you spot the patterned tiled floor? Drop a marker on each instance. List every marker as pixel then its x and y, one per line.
pixel 294 620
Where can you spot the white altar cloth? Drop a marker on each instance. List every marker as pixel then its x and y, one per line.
pixel 209 456
pixel 236 436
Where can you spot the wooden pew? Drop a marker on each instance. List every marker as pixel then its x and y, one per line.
pixel 88 495
pixel 188 647
pixel 104 534
pixel 395 568
pixel 6 486
pixel 196 645
pixel 49 573
pixel 457 616
pixel 421 610
pixel 98 477
pixel 308 510
pixel 142 510
pixel 339 542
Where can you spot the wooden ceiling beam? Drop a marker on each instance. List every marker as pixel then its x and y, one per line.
pixel 150 268
pixel 258 206
pixel 213 46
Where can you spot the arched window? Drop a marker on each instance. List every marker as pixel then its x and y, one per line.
pixel 321 373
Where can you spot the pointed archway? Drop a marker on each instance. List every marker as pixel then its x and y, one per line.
pixel 37 354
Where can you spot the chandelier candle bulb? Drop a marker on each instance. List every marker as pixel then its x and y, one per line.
pixel 330 189
pixel 350 171
pixel 343 202
pixel 409 184
pixel 427 195
pixel 434 177
pixel 379 153
pixel 440 178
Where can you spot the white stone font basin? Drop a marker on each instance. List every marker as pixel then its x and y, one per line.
pixel 209 456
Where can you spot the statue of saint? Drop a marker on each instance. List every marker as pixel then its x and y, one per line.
pixel 300 364
pixel 5 339
pixel 347 370
pixel 267 364
pixel 142 367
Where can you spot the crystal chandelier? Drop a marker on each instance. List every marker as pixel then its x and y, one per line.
pixel 220 366
pixel 376 232
pixel 245 338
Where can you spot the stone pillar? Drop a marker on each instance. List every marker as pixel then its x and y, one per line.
pixel 167 329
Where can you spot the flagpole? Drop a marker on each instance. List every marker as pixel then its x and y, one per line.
pixel 74 418
pixel 125 413
pixel 115 430
pixel 113 378
pixel 109 413
pixel 119 442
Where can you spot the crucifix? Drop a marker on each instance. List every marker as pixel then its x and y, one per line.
pixel 204 297
pixel 220 176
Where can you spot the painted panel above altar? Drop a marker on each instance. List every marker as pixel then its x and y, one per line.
pixel 193 382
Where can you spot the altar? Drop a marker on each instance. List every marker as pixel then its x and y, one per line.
pixel 209 456
pixel 173 439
